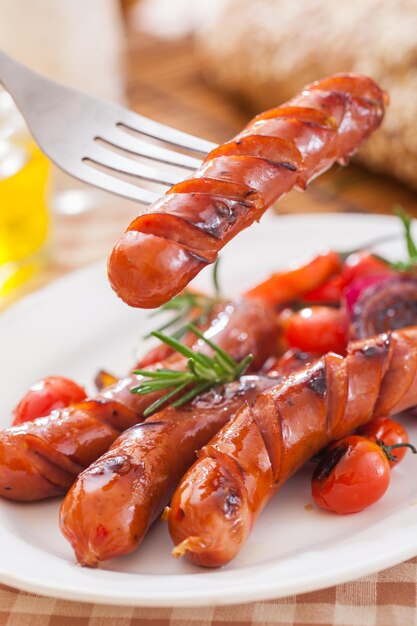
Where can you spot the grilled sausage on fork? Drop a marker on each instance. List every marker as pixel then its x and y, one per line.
pixel 163 249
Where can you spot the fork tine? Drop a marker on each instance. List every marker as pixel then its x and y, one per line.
pixel 141 124
pixel 93 176
pixel 117 163
pixel 65 122
pixel 133 144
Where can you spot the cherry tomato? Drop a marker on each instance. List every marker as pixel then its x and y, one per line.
pixel 361 264
pixel 353 474
pixel 357 265
pixel 390 432
pixel 53 392
pixel 318 329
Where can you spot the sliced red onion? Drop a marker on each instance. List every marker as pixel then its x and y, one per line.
pixel 354 289
pixel 386 304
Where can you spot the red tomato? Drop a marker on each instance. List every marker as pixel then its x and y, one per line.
pixel 318 329
pixel 357 265
pixel 361 264
pixel 353 474
pixel 390 432
pixel 53 392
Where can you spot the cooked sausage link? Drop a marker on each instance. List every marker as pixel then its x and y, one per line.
pixel 113 502
pixel 216 505
pixel 42 458
pixel 288 146
pixel 110 507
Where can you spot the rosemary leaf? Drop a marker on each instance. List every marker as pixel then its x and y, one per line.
pixel 216 278
pixel 201 388
pixel 159 403
pixel 407 220
pixel 202 372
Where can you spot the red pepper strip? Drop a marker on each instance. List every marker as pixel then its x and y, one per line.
pixel 329 293
pixel 286 286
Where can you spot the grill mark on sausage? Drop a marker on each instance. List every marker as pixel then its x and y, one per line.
pixel 318 382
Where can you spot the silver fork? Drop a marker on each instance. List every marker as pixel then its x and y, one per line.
pixel 99 142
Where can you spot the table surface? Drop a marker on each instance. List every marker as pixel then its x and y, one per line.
pixel 165 82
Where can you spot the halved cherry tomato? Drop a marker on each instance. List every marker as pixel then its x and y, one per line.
pixel 390 432
pixel 53 392
pixel 353 474
pixel 318 329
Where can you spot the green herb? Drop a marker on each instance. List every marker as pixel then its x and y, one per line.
pixel 399 266
pixel 203 372
pixel 185 304
pixel 403 266
pixel 216 279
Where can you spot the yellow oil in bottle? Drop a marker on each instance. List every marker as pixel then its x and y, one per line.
pixel 23 204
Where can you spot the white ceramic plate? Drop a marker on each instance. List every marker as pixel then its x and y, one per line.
pixel 76 326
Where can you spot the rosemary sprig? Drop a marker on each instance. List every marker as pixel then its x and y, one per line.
pixel 403 266
pixel 203 372
pixel 399 266
pixel 217 291
pixel 185 303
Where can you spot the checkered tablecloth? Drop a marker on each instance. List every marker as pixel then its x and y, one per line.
pixel 384 599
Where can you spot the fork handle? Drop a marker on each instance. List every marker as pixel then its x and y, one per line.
pixel 12 74
pixel 26 86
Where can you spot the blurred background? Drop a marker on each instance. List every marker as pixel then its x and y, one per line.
pixel 204 67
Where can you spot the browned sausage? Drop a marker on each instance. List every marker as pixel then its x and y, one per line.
pixel 216 505
pixel 42 458
pixel 113 502
pixel 164 248
pixel 110 507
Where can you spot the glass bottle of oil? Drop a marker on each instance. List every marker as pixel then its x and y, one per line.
pixel 23 200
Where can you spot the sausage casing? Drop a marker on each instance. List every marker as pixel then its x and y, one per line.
pixel 113 502
pixel 42 458
pixel 164 248
pixel 110 507
pixel 217 502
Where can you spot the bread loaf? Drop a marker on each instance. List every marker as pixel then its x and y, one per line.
pixel 265 51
